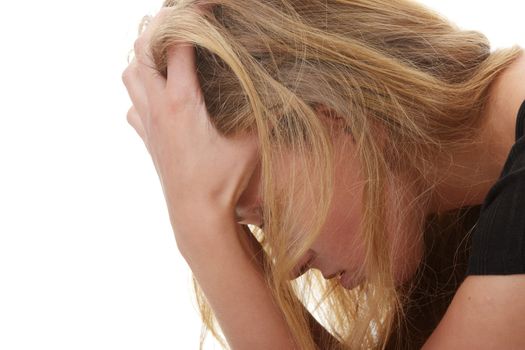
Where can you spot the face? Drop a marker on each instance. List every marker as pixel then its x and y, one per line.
pixel 338 248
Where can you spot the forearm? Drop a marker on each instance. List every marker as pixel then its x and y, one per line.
pixel 235 289
pixel 252 260
pixel 323 339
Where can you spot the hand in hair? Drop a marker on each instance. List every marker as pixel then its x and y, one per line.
pixel 202 173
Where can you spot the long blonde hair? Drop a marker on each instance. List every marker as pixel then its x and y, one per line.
pixel 392 68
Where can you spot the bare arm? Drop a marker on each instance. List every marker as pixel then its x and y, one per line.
pixel 171 117
pixel 487 312
pixel 235 289
pixel 256 251
pixel 234 285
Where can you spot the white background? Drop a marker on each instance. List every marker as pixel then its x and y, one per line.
pixel 87 255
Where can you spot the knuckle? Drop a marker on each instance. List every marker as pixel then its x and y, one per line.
pixel 139 45
pixel 126 76
pixel 129 73
pixel 176 104
pixel 180 94
pixel 129 116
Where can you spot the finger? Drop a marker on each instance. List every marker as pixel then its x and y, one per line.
pixel 182 72
pixel 181 66
pixel 154 82
pixel 136 122
pixel 135 89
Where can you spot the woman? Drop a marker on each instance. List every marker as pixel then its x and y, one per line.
pixel 366 139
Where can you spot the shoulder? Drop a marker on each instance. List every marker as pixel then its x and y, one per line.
pixel 487 312
pixel 498 238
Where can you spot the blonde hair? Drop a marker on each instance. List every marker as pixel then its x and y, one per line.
pixel 408 85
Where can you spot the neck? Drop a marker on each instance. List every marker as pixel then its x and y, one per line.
pixel 471 174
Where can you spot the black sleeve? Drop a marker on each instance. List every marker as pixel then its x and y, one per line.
pixel 498 239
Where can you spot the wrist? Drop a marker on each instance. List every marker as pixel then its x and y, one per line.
pixel 201 235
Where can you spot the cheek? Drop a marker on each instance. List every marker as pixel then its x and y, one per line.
pixel 342 235
pixel 340 239
pixel 344 222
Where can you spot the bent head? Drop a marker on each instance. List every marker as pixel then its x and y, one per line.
pixel 407 87
pixel 340 246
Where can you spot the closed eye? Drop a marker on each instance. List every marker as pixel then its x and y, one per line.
pixel 261 215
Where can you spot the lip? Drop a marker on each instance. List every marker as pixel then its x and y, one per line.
pixel 349 281
pixel 343 280
pixel 333 274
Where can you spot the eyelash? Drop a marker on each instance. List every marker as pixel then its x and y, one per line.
pixel 261 214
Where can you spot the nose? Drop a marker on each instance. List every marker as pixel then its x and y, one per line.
pixel 332 275
pixel 303 265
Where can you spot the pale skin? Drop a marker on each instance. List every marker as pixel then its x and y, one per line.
pixel 486 312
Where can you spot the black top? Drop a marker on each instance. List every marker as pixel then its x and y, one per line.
pixel 498 239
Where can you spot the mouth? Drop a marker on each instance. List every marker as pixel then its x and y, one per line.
pixel 349 281
pixel 343 280
pixel 337 274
